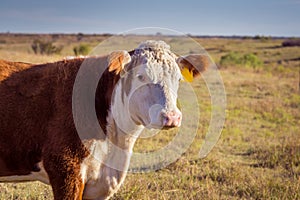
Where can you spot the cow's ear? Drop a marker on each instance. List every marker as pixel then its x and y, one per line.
pixel 117 60
pixel 192 65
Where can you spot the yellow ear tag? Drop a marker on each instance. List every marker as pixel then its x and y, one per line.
pixel 187 74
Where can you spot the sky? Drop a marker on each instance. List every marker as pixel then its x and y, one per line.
pixel 196 17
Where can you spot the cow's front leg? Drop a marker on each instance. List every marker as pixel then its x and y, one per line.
pixel 67 186
pixel 71 189
pixel 65 179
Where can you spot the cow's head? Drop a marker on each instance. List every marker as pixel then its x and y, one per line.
pixel 146 93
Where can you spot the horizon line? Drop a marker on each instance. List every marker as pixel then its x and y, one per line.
pixel 151 34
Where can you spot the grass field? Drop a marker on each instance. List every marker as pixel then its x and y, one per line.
pixel 258 153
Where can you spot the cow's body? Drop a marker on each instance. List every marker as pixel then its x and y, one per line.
pixel 38 138
pixel 36 124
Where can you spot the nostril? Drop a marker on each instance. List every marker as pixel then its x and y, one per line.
pixel 179 117
pixel 172 118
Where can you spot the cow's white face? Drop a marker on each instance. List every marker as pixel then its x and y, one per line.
pixel 147 91
pixel 153 93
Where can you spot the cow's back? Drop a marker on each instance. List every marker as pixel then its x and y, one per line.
pixel 7 68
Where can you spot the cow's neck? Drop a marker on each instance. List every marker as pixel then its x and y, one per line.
pixel 120 133
pixel 120 144
pixel 116 163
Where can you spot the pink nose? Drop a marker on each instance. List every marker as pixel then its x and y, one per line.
pixel 172 119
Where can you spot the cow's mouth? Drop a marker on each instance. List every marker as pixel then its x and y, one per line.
pixel 149 125
pixel 169 127
pixel 138 120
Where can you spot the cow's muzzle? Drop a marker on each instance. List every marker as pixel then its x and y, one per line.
pixel 172 119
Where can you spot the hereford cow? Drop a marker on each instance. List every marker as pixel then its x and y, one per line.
pixel 38 136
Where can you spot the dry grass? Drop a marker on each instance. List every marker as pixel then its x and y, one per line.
pixel 258 154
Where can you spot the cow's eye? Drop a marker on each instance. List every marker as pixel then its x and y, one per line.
pixel 140 77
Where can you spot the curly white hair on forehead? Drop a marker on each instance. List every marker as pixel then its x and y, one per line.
pixel 154 44
pixel 155 51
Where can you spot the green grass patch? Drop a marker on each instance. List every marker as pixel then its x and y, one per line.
pixel 248 60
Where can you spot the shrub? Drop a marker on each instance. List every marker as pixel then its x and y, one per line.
pixel 247 60
pixel 82 49
pixel 80 36
pixel 45 47
pixel 230 59
pixel 251 60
